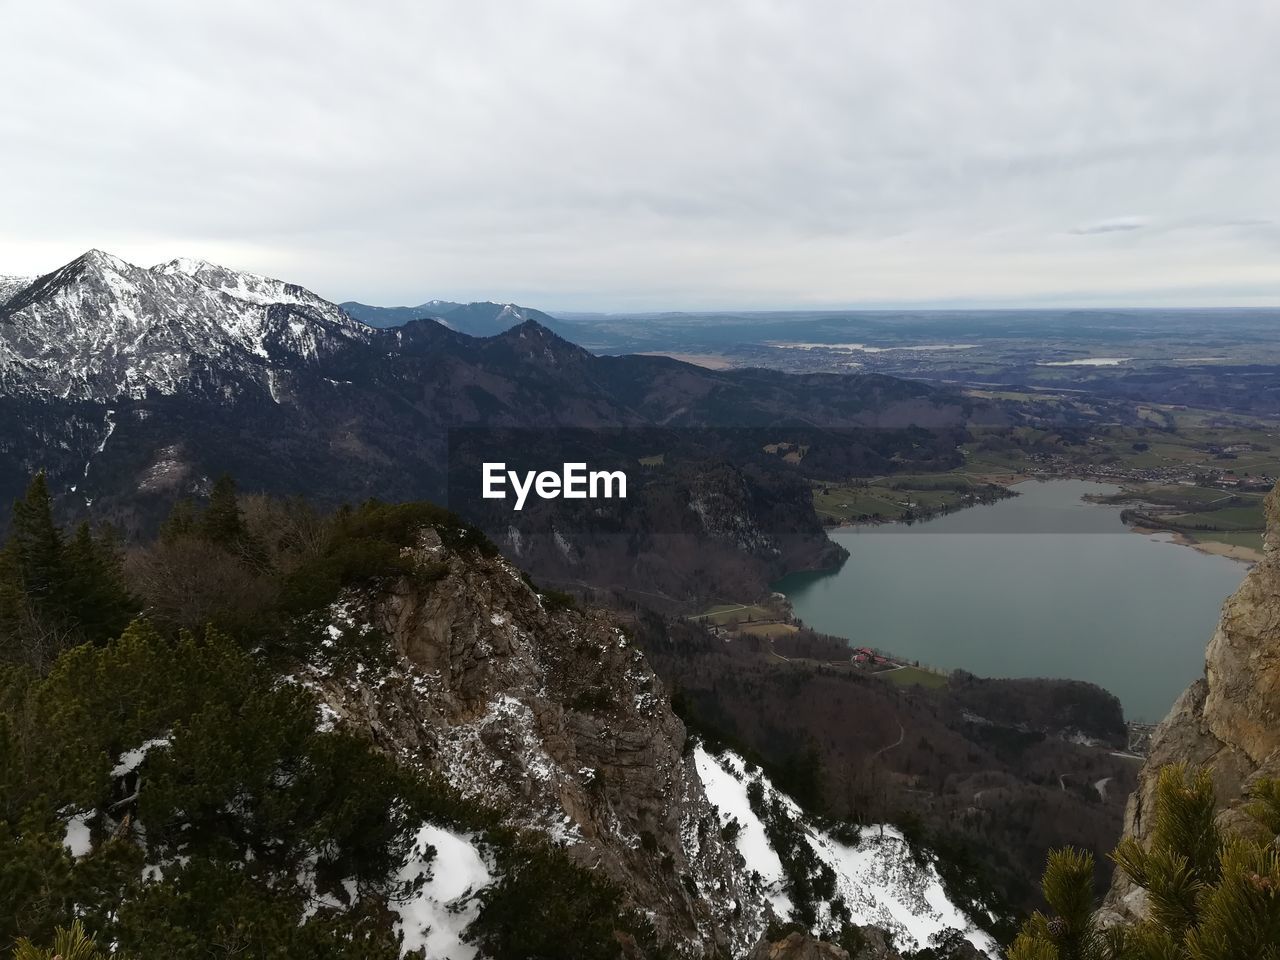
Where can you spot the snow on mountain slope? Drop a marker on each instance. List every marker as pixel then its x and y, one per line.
pixel 728 793
pixel 548 713
pixel 101 328
pixel 11 285
pixel 438 913
pixel 878 879
pixel 250 287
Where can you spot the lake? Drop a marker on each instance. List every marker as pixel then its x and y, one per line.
pixel 1041 585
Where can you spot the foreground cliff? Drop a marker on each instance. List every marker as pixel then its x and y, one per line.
pixel 367 736
pixel 549 714
pixel 1227 722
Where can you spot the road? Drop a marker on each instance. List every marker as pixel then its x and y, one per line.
pixel 902 735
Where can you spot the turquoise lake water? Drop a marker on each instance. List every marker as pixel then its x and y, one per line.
pixel 1041 585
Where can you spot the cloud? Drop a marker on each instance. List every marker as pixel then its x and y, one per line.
pixel 653 153
pixel 1241 223
pixel 1114 225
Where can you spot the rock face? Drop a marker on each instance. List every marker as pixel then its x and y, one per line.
pixel 1228 722
pixel 874 946
pixel 552 715
pixel 797 946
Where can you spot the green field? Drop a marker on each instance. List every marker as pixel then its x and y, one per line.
pixel 982 464
pixel 1205 447
pixel 1252 539
pixel 1169 457
pixel 725 614
pixel 769 629
pixel 1181 495
pixel 898 497
pixel 1229 519
pixel 845 504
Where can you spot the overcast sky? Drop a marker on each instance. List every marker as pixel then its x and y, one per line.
pixel 660 154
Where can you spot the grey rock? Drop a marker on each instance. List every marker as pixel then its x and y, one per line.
pixel 551 714
pixel 1227 722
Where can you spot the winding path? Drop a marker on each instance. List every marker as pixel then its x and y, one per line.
pixel 902 735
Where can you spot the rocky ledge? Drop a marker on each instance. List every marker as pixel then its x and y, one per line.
pixel 1228 721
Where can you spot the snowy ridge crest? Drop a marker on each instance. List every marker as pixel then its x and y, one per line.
pixel 550 715
pixel 878 879
pixel 9 286
pixel 100 328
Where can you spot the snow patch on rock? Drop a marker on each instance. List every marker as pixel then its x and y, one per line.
pixel 77 840
pixel 130 760
pixel 436 915
pixel 879 878
pixel 727 791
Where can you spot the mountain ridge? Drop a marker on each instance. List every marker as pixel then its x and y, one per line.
pixel 10 285
pixel 133 387
pixel 99 327
pixel 478 318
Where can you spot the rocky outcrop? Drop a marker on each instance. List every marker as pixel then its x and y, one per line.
pixel 873 944
pixel 550 714
pixel 798 946
pixel 1227 722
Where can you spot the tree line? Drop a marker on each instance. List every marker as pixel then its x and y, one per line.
pixel 166 792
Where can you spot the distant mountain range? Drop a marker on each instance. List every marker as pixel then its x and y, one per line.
pixel 483 319
pixel 134 386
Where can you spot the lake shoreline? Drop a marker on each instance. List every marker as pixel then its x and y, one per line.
pixel 1214 548
pixel 1045 584
pixel 1241 554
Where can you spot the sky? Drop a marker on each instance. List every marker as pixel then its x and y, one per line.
pixel 663 154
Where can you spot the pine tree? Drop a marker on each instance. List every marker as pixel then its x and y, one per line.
pixel 54 592
pixel 33 625
pixel 222 522
pixel 69 943
pixel 97 600
pixel 12 603
pixel 1209 897
pixel 1183 857
pixel 181 522
pixel 35 543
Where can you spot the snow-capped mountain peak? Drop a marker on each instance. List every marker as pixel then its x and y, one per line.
pixel 100 327
pixel 188 266
pixel 242 285
pixel 101 258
